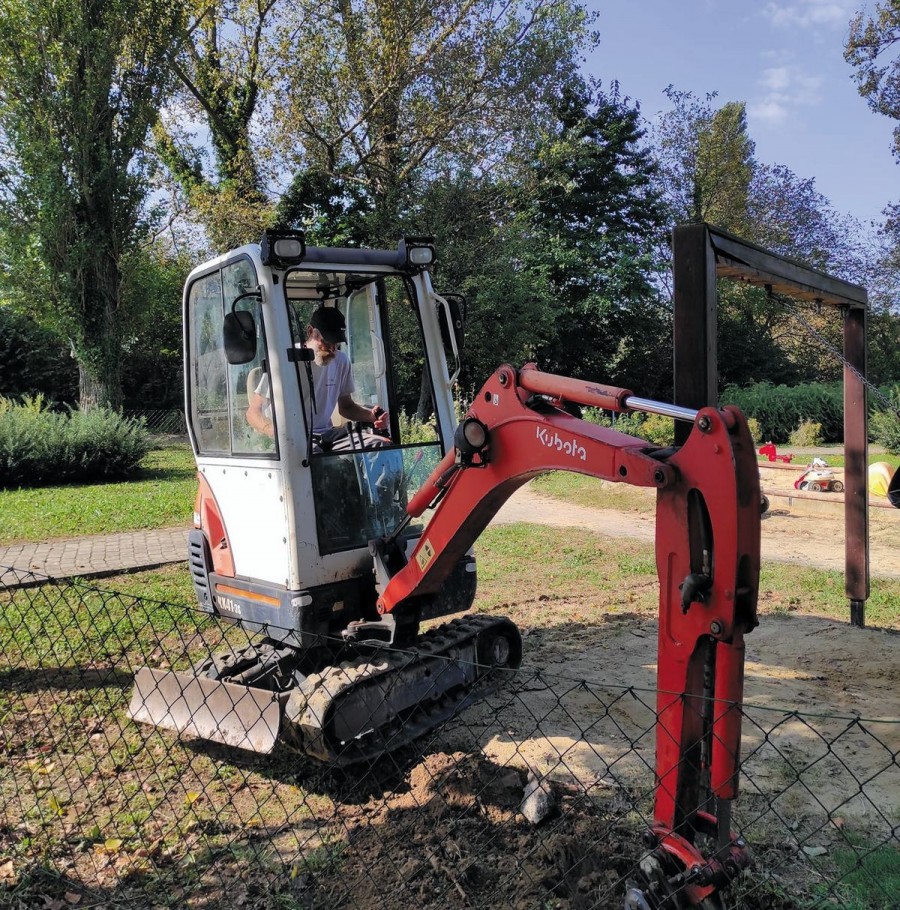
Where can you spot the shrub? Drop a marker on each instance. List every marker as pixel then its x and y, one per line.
pixel 414 430
pixel 40 446
pixel 809 433
pixel 755 429
pixel 884 425
pixel 781 409
pixel 659 430
pixel 653 427
pixel 631 424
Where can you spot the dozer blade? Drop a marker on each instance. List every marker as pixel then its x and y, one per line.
pixel 227 713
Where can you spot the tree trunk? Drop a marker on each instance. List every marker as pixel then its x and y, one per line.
pixel 99 352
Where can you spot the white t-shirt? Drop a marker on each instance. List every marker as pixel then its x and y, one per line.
pixel 330 383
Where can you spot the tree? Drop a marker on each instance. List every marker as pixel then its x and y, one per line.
pixel 871 51
pixel 227 53
pixel 709 173
pixel 82 81
pixel 598 218
pixel 374 93
pixel 705 160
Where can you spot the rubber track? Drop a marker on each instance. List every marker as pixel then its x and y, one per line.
pixel 308 720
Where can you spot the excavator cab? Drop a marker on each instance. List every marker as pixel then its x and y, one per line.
pixel 282 518
pixel 283 521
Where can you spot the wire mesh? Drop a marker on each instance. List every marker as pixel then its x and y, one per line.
pixel 162 422
pixel 539 794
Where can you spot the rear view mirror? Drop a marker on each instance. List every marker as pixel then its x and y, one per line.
pixel 239 333
pixel 455 312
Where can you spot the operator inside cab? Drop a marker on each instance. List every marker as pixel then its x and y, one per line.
pixel 333 388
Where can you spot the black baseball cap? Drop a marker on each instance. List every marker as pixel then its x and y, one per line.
pixel 330 323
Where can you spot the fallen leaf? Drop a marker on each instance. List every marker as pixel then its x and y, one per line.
pixel 112 844
pixel 815 851
pixel 72 898
pixel 7 871
pixel 191 797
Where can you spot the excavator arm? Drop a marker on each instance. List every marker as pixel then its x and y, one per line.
pixel 707 555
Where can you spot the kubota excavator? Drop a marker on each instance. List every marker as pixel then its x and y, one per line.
pixel 336 557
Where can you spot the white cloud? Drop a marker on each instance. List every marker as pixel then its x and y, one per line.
pixel 810 13
pixel 784 89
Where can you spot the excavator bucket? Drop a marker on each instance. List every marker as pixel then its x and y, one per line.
pixel 234 715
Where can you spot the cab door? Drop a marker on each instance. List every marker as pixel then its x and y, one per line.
pixel 242 504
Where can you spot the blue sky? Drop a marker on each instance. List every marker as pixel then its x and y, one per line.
pixel 784 58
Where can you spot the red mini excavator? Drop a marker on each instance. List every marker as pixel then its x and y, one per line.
pixel 337 555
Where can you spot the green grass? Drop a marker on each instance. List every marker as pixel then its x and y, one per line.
pixel 579 564
pixel 94 624
pixel 161 495
pixel 869 877
pixel 593 493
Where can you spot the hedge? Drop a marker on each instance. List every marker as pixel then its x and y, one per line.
pixel 780 410
pixel 40 446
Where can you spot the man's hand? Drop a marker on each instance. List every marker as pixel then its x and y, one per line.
pixel 380 418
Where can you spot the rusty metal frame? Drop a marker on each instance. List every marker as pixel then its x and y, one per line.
pixel 702 254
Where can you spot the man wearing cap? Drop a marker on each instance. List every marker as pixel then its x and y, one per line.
pixel 333 387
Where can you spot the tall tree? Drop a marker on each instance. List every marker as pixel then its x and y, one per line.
pixel 872 52
pixel 599 218
pixel 706 160
pixel 81 82
pixel 228 52
pixel 374 92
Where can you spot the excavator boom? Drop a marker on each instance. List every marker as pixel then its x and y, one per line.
pixel 707 555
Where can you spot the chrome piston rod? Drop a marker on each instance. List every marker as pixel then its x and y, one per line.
pixel 648 406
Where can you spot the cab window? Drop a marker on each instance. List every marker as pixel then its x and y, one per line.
pixel 219 392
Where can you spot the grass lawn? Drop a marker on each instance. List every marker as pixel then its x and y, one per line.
pixel 160 495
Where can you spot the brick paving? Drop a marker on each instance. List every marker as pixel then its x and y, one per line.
pixel 94 556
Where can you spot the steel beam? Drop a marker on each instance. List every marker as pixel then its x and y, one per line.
pixel 695 322
pixel 856 496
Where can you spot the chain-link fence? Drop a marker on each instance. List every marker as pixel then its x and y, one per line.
pixel 537 796
pixel 162 422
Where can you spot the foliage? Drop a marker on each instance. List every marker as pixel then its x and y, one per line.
pixel 807 433
pixel 781 409
pixel 708 172
pixel 39 446
pixel 378 94
pixel 412 429
pixel 884 424
pixel 755 429
pixel 870 50
pixel 706 160
pixel 598 218
pixel 152 329
pixel 34 360
pixel 653 427
pixel 227 54
pixel 82 81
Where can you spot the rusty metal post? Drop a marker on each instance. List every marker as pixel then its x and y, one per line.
pixel 856 497
pixel 694 321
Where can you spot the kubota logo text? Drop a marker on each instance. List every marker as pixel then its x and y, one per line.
pixel 555 441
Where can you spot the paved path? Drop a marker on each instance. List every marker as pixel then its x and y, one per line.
pixel 787 537
pixel 100 554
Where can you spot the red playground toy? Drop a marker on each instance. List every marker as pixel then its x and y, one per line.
pixel 771 453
